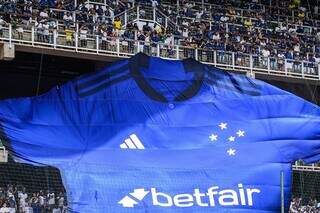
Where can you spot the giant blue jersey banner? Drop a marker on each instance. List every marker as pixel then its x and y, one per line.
pixel 152 135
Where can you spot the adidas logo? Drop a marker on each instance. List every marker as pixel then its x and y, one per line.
pixel 129 202
pixel 132 142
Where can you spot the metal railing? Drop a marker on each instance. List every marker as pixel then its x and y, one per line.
pixel 311 168
pixel 120 47
pixel 246 13
pixel 147 14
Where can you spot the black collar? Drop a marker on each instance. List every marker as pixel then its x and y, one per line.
pixel 190 65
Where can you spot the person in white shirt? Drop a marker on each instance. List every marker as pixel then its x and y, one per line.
pixel 169 40
pixel 216 37
pixel 154 3
pixel 265 54
pixel 45 26
pixel 51 201
pixel 4 209
pixel 296 48
pixel 104 38
pixel 83 36
pixel 292 30
pixel 224 18
pixel 111 13
pixel 61 202
pixel 67 18
pixel 283 27
pixel 318 36
pixel 199 15
pixel 44 14
pixel 22 199
pixel 20 29
pixel 39 29
pixel 56 210
pixel 185 33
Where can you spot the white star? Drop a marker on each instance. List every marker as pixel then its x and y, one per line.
pixel 231 139
pixel 223 126
pixel 240 133
pixel 213 137
pixel 231 152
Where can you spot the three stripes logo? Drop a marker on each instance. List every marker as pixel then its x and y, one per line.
pixel 132 142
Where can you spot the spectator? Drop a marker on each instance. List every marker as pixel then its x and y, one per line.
pixel 46 32
pixel 154 3
pixel 44 15
pixel 259 28
pixel 83 36
pixel 5 209
pixel 19 29
pixel 117 25
pixel 68 20
pixel 39 30
pixel 69 36
pixel 12 204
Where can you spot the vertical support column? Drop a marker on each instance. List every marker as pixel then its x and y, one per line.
pixel 196 54
pixel 318 71
pixel 32 35
pixel 118 46
pixel 55 38
pixel 74 17
pixel 166 23
pixel 138 14
pixel 215 58
pixel 282 191
pixel 268 65
pixel 76 39
pixel 233 60
pixel 97 43
pixel 285 66
pixel 154 14
pixel 125 18
pixel 302 69
pixel 251 65
pixel 10 35
pixel 158 49
pixel 178 53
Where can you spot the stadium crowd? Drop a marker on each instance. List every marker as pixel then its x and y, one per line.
pixel 268 28
pixel 15 199
pixel 254 29
pixel 296 206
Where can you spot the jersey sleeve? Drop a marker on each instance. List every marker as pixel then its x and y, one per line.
pixel 43 129
pixel 289 122
pixel 271 115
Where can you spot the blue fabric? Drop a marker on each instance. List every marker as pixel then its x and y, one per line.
pixel 213 141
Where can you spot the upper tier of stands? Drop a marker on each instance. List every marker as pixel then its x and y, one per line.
pixel 272 35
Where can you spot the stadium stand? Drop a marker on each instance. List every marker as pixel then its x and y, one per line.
pixel 15 197
pixel 269 36
pixel 280 37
